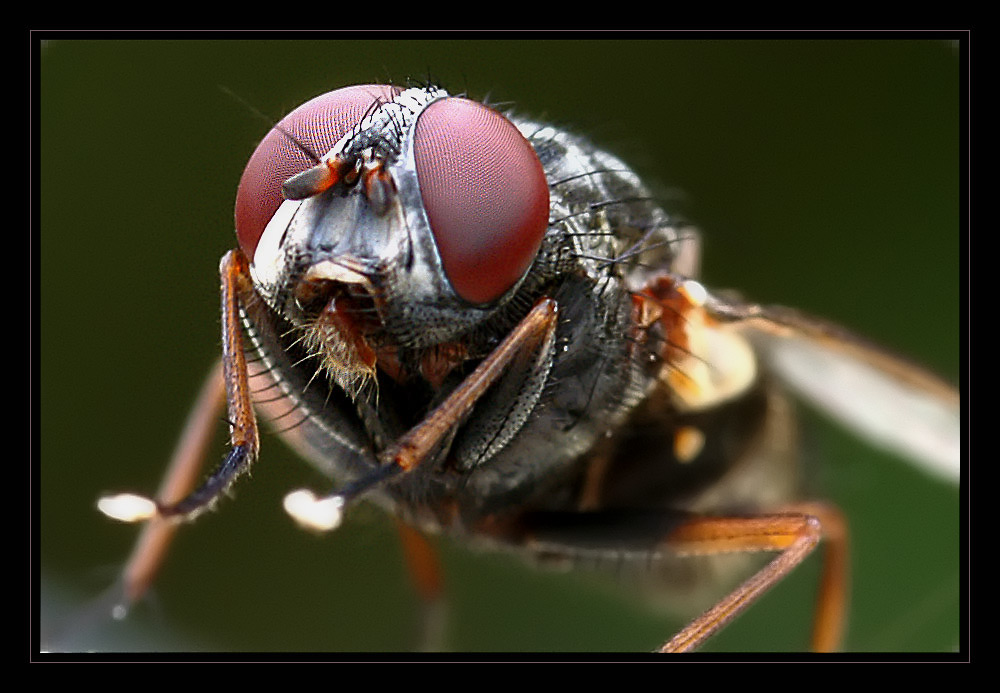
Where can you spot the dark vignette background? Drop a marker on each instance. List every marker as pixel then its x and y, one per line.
pixel 823 174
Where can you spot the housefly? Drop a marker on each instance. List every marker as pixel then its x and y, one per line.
pixel 492 330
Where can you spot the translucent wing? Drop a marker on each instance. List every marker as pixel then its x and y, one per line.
pixel 889 401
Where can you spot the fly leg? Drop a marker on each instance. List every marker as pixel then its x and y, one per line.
pixel 795 535
pixel 237 295
pixel 227 383
pixel 425 571
pixel 606 535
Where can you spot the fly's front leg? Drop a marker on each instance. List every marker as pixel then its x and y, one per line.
pixel 228 382
pixel 237 291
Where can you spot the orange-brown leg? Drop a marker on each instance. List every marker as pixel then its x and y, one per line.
pixel 537 327
pixel 834 589
pixel 795 534
pixel 237 294
pixel 425 571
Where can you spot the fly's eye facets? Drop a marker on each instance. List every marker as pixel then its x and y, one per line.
pixel 485 194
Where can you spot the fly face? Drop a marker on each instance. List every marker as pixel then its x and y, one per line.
pixel 621 376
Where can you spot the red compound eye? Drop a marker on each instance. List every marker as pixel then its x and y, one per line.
pixel 318 124
pixel 485 193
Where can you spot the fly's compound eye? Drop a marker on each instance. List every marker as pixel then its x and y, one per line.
pixel 485 195
pixel 317 125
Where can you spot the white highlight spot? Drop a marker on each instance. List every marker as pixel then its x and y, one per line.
pixel 319 514
pixel 695 292
pixel 127 507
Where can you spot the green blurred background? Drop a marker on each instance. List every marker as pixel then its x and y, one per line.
pixel 824 175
